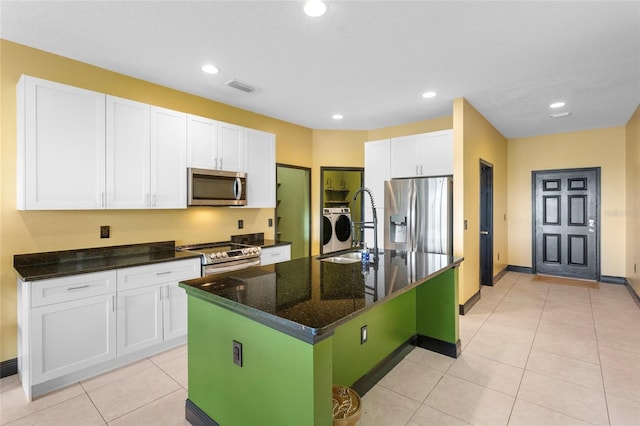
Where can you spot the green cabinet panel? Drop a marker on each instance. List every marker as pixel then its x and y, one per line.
pixel 283 380
pixel 389 325
pixel 437 307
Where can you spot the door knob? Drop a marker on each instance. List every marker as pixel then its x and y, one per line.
pixel 484 232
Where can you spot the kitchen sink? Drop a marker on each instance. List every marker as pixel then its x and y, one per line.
pixel 350 257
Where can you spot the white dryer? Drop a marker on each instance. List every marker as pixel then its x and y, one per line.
pixel 341 221
pixel 327 230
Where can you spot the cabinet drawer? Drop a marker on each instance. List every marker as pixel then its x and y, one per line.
pixel 56 290
pixel 140 276
pixel 275 254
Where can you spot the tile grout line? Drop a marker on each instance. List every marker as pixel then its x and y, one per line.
pixel 524 369
pixel 595 330
pixel 93 403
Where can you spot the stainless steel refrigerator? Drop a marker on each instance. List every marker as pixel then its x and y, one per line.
pixel 418 215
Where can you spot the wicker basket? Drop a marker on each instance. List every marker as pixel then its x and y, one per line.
pixel 347 408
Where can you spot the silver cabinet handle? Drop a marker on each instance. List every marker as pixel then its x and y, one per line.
pixel 78 287
pixel 484 232
pixel 163 273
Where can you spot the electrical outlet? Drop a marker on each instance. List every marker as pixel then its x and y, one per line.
pixel 270 222
pixel 237 353
pixel 240 224
pixel 363 335
pixel 465 224
pixel 105 231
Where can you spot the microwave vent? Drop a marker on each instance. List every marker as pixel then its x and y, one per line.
pixel 237 84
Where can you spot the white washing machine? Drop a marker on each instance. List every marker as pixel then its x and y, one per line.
pixel 336 229
pixel 327 230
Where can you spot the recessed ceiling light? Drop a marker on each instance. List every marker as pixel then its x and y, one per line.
pixel 315 8
pixel 427 95
pixel 210 69
pixel 557 105
pixel 337 116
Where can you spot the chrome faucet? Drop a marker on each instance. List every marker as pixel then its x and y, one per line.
pixel 372 224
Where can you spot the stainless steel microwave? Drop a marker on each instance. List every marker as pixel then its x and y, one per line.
pixel 216 188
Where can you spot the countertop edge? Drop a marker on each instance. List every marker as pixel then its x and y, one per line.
pixel 291 328
pixel 38 272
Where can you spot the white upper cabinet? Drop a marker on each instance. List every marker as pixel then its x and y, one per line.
pixel 377 169
pixel 231 146
pixel 61 146
pixel 146 156
pixel 426 154
pixel 215 145
pixel 128 148
pixel 261 169
pixel 168 159
pixel 202 142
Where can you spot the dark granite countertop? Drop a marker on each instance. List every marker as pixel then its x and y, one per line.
pixel 257 239
pixel 40 266
pixel 307 298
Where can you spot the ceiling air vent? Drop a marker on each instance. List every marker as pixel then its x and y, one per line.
pixel 237 84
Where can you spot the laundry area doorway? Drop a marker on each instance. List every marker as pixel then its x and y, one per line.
pixel 337 209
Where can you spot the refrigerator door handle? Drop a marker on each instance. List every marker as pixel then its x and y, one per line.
pixel 412 208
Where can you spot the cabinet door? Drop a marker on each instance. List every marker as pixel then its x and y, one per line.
pixel 174 309
pixel 377 169
pixel 168 159
pixel 231 143
pixel 435 153
pixel 202 142
pixel 128 185
pixel 139 319
pixel 70 336
pixel 403 156
pixel 261 169
pixel 60 146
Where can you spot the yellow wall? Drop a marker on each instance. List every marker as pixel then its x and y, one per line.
pixel 632 212
pixel 603 148
pixel 38 231
pixel 332 148
pixel 424 126
pixel 476 139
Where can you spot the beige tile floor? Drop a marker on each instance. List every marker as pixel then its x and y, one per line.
pixel 532 354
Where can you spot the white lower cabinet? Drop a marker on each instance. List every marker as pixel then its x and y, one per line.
pixel 76 327
pixel 139 319
pixel 174 311
pixel 73 334
pixel 276 254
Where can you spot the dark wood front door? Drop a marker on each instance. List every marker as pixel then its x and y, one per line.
pixel 566 223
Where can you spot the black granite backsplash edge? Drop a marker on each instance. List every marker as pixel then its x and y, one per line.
pixel 88 254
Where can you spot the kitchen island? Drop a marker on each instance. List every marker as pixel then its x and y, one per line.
pixel 266 344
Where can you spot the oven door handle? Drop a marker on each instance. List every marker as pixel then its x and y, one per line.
pixel 215 269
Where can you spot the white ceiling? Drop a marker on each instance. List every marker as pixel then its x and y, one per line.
pixel 367 60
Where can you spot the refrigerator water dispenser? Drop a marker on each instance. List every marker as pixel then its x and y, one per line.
pixel 398 228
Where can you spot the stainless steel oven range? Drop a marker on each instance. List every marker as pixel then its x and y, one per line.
pixel 224 257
